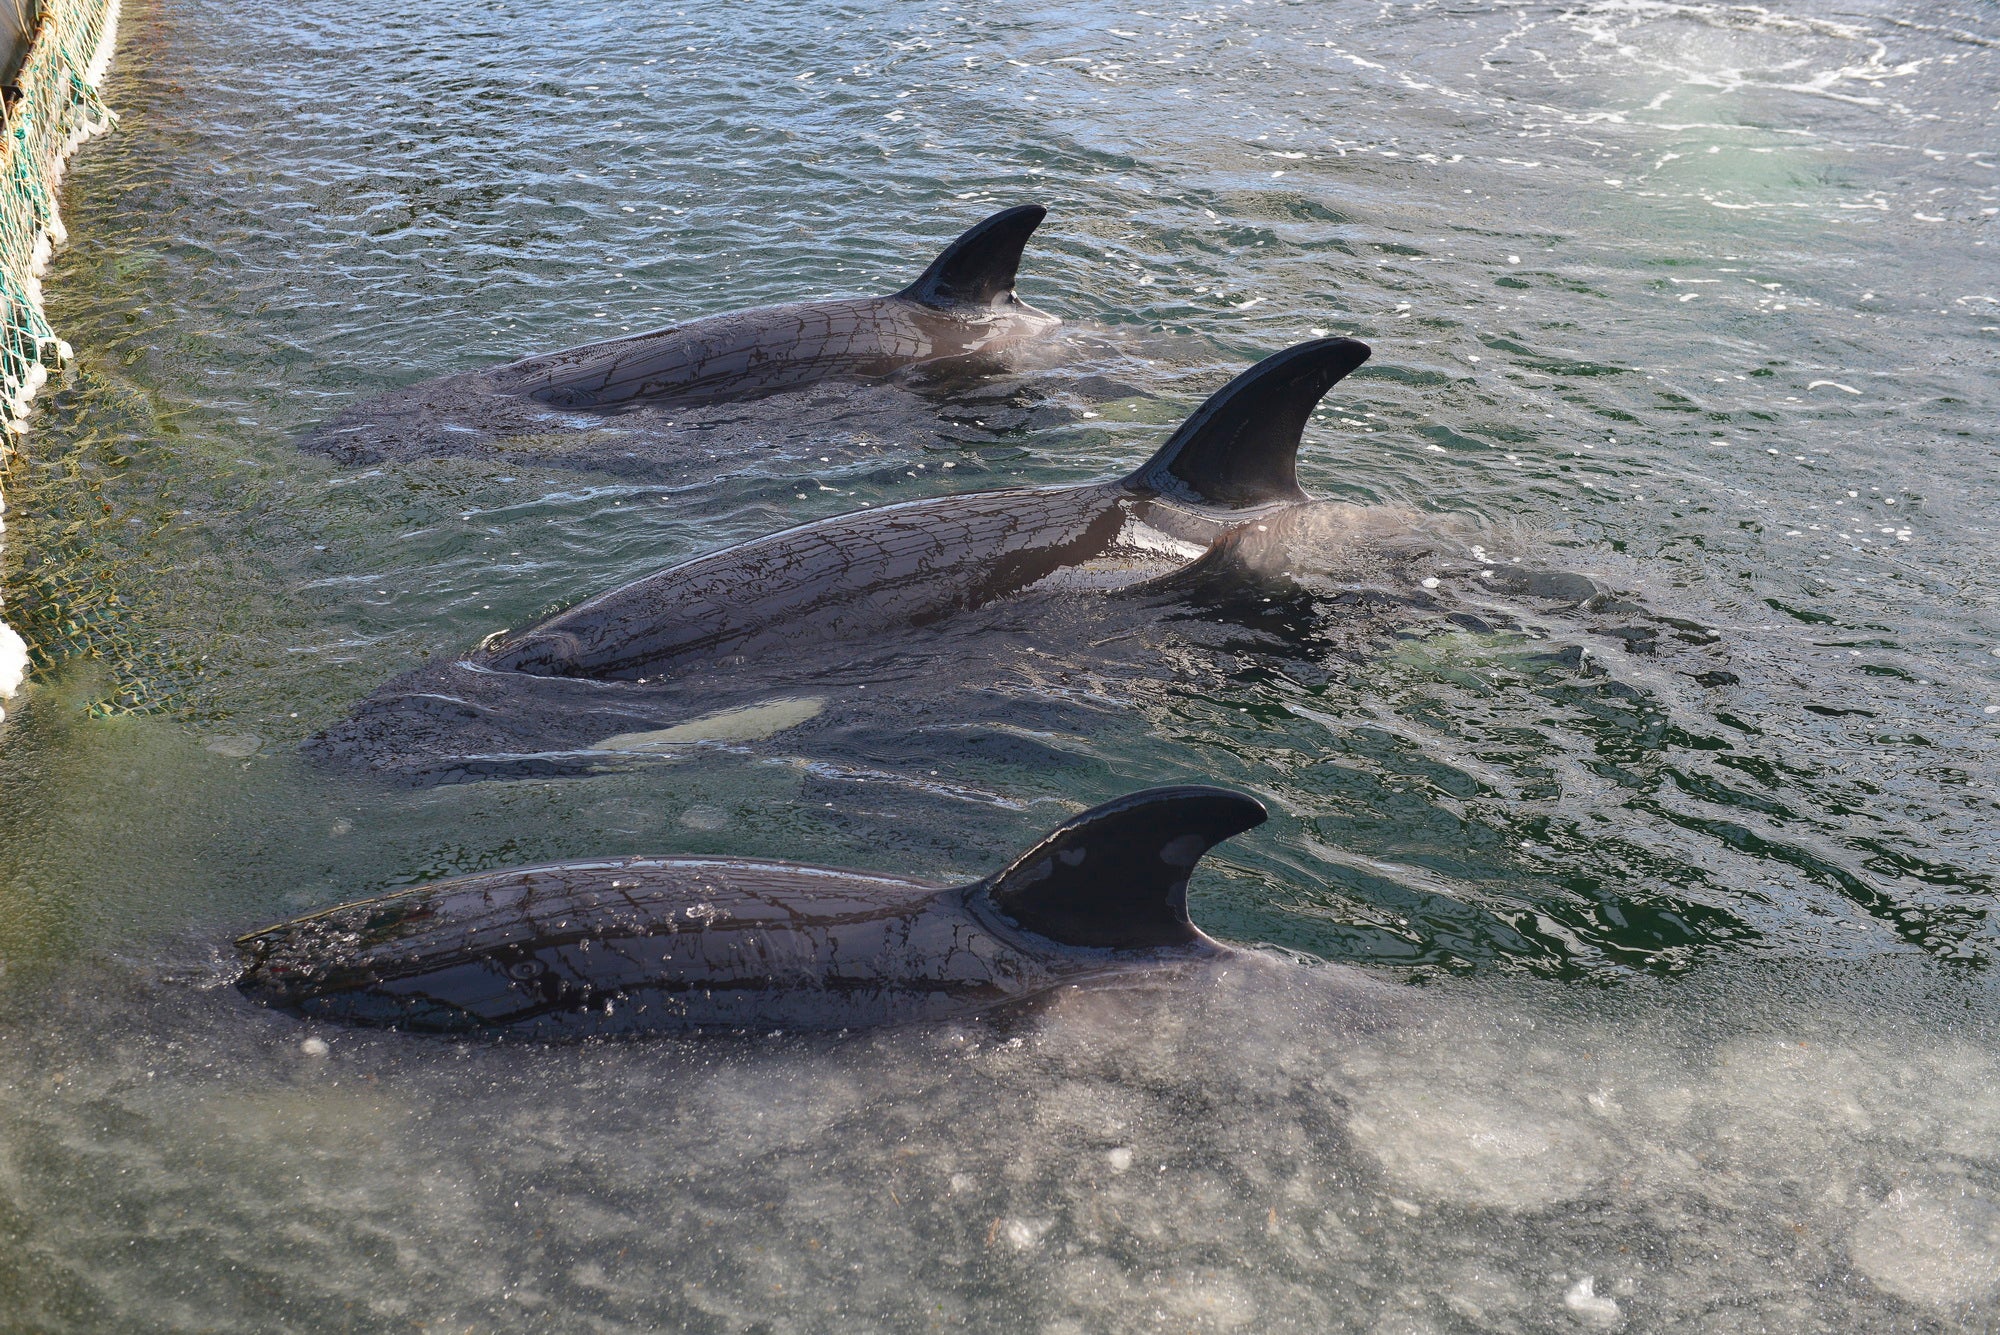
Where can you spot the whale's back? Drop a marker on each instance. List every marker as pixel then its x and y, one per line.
pixel 742 354
pixel 847 579
pixel 637 945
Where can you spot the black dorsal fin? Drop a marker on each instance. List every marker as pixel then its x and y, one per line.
pixel 1117 874
pixel 978 269
pixel 1241 448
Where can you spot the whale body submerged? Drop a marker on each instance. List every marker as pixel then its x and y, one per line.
pixel 963 307
pixel 685 945
pixel 854 576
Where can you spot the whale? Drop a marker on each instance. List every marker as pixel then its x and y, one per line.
pixel 857 576
pixel 963 309
pixel 661 945
pixel 937 609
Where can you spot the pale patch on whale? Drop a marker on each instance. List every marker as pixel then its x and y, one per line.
pixel 753 723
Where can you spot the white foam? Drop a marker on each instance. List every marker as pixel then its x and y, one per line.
pixel 1236 1148
pixel 1935 1242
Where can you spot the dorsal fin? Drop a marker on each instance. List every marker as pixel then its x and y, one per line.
pixel 1241 448
pixel 1117 874
pixel 978 269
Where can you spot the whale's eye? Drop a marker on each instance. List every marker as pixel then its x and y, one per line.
pixel 526 969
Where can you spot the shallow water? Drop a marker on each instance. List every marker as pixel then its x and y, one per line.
pixel 1271 1148
pixel 1698 301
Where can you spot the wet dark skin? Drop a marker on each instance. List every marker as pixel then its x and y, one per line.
pixel 963 308
pixel 637 946
pixel 856 575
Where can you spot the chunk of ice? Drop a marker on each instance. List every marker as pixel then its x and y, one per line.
pixel 1586 1306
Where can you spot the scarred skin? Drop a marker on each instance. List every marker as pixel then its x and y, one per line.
pixel 856 575
pixel 963 308
pixel 663 945
pixel 647 943
pixel 747 354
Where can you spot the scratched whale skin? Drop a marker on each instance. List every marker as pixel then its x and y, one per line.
pixel 852 576
pixel 963 307
pixel 955 357
pixel 961 582
pixel 652 945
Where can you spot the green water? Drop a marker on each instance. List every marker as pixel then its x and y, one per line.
pixel 1697 300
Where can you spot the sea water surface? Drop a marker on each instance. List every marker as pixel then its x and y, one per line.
pixel 1621 965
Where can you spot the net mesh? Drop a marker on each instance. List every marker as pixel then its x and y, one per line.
pixel 50 108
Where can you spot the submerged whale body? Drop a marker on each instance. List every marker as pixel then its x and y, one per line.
pixel 860 575
pixel 963 307
pixel 953 588
pixel 664 945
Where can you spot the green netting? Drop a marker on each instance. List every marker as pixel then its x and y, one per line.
pixel 52 106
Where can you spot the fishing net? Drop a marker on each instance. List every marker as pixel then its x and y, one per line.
pixel 50 107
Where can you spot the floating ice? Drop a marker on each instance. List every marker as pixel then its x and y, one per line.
pixel 1461 1147
pixel 1583 1301
pixel 1472 1124
pixel 1242 1147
